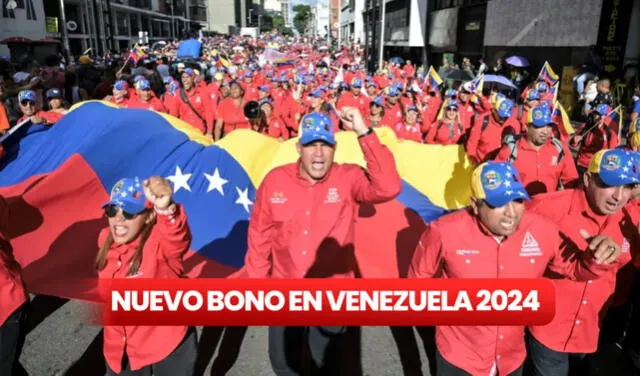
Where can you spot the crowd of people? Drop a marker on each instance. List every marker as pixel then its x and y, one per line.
pixel 546 202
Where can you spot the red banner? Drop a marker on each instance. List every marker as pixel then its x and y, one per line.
pixel 349 302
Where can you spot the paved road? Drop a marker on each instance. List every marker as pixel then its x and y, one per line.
pixel 62 344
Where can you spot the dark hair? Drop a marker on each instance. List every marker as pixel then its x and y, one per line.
pixel 101 258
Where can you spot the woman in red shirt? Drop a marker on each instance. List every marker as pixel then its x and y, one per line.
pixel 120 95
pixel 147 237
pixel 376 113
pixel 13 297
pixel 593 136
pixel 269 124
pixel 230 114
pixel 409 129
pixel 449 129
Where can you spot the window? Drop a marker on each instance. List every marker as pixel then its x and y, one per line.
pixel 122 27
pixel 444 4
pixel 397 18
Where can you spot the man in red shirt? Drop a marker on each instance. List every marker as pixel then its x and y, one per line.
pixel 531 100
pixel 489 130
pixel 496 238
pixel 146 99
pixel 194 104
pixel 393 113
pixel 31 109
pixel 596 207
pixel 544 161
pixel 354 98
pixel 302 221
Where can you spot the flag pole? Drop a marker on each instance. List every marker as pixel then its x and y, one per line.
pixel 13 130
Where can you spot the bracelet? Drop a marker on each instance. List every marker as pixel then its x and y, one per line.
pixel 369 131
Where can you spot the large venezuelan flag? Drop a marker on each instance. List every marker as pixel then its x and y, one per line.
pixel 56 179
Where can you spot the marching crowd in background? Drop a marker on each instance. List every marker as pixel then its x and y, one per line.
pixel 547 200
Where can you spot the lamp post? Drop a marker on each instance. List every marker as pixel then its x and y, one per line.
pixel 65 36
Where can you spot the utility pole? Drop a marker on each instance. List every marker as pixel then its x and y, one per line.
pixel 384 8
pixel 65 35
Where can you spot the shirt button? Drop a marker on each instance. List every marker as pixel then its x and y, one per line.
pixel 124 339
pixel 533 261
pixel 501 267
pixel 501 336
pixel 119 263
pixel 308 212
pixel 497 356
pixel 584 302
pixel 305 232
pixel 304 252
pixel 577 322
pixel 589 281
pixel 467 261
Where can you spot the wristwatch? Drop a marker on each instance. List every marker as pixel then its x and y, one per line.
pixel 369 131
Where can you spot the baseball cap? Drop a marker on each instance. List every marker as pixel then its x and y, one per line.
pixel 189 72
pixel 27 95
pixel 539 116
pixel 497 183
pixel 393 91
pixel 504 107
pixel 264 88
pixel 450 93
pixel 54 93
pixel 533 94
pixel 356 82
pixel 615 167
pixel 265 100
pixel 316 93
pixel 121 85
pixel 370 83
pixel 316 127
pixel 378 101
pixel 451 103
pixel 412 108
pixel 167 80
pixel 249 74
pixel 542 86
pixel 128 195
pixel 143 85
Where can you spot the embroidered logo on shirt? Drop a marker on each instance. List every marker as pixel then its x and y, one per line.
pixel 530 246
pixel 278 198
pixel 467 252
pixel 332 196
pixel 198 99
pixel 554 160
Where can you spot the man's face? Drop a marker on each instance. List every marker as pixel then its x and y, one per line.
pixel 371 91
pixel 236 91
pixel 412 116
pixel 262 94
pixel 538 136
pixel 464 97
pixel 315 102
pixel 28 107
pixel 605 200
pixel 502 221
pixel 316 159
pixel 355 91
pixel 392 100
pixel 187 81
pixel 145 95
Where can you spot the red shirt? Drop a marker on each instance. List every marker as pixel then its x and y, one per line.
pixel 349 100
pixel 232 115
pixel 540 170
pixel 483 143
pixel 444 133
pixel 466 112
pixel 579 305
pixel 153 104
pixel 201 102
pixel 251 93
pixel 49 116
pixel 12 291
pixel 408 132
pixel 392 115
pixel 161 258
pixel 124 102
pixel 294 220
pixel 457 245
pixel 600 137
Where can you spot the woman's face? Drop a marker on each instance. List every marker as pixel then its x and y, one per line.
pixel 375 109
pixel 411 117
pixel 236 91
pixel 451 113
pixel 55 103
pixel 267 109
pixel 125 227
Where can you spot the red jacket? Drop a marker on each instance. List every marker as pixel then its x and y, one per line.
pixel 540 170
pixel 51 117
pixel 441 133
pixel 459 246
pixel 232 115
pixel 201 101
pixel 392 115
pixel 579 305
pixel 299 229
pixel 361 102
pixel 161 258
pixel 483 143
pixel 154 104
pixel 408 132
pixel 12 291
pixel 600 137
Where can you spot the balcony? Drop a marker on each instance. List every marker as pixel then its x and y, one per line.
pixel 198 13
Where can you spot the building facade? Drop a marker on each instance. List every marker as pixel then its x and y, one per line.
pixel 222 14
pixel 322 18
pixel 351 21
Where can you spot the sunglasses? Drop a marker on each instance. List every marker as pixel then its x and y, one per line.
pixel 25 103
pixel 452 109
pixel 112 210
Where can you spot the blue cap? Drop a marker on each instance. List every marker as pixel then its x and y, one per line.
pixel 356 82
pixel 451 93
pixel 121 85
pixel 299 79
pixel 497 183
pixel 27 95
pixel 603 109
pixel 344 85
pixel 615 167
pixel 370 83
pixel 248 74
pixel 504 107
pixel 189 72
pixel 393 91
pixel 391 76
pixel 138 78
pixel 264 88
pixel 265 100
pixel 533 95
pixel 316 93
pixel 128 195
pixel 167 80
pixel 378 101
pixel 452 103
pixel 539 116
pixel 412 108
pixel 143 85
pixel 316 127
pixel 54 93
pixel 333 86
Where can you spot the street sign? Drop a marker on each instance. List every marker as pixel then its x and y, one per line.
pixel 612 34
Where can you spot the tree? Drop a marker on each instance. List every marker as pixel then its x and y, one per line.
pixel 302 18
pixel 278 24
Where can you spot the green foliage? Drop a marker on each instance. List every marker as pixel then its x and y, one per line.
pixel 302 18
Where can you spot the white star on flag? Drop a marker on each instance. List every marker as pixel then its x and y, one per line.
pixel 508 174
pixel 520 193
pixel 508 192
pixel 180 180
pixel 243 198
pixel 131 189
pixel 625 169
pixel 507 184
pixel 623 176
pixel 216 182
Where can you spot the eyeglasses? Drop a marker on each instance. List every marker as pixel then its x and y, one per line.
pixel 112 210
pixel 452 109
pixel 26 103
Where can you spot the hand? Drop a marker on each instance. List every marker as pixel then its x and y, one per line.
pixel 37 120
pixel 577 139
pixel 352 120
pixel 604 250
pixel 158 191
